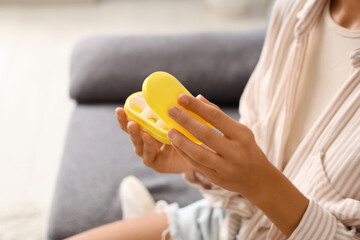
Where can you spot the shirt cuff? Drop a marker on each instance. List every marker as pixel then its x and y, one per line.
pixel 315 224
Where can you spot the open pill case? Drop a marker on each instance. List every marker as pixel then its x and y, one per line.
pixel 149 108
pixel 137 110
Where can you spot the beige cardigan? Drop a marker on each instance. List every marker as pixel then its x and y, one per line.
pixel 326 165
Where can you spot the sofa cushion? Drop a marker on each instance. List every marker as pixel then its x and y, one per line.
pixel 108 69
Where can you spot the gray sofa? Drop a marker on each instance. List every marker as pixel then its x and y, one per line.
pixel 104 71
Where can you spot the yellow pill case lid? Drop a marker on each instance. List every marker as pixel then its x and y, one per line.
pixel 149 108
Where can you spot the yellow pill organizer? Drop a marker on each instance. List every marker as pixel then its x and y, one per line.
pixel 149 108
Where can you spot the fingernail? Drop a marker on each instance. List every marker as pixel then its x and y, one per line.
pixel 174 111
pixel 201 97
pixel 171 134
pixel 183 100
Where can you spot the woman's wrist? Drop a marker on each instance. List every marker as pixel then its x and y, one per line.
pixel 279 199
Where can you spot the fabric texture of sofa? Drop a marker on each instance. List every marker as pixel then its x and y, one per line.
pixel 104 71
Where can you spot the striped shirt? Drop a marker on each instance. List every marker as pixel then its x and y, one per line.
pixel 325 166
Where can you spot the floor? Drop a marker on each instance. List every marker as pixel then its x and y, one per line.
pixel 35 45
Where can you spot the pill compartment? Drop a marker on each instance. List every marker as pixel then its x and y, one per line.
pixel 149 115
pixel 138 105
pixel 162 124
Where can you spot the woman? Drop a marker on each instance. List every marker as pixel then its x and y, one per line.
pixel 290 168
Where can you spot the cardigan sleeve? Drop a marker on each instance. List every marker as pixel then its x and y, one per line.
pixel 249 103
pixel 249 112
pixel 318 223
pixel 252 99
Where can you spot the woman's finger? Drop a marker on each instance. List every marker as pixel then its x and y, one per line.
pixel 199 129
pixel 150 149
pixel 202 98
pixel 211 114
pixel 201 168
pixel 121 118
pixel 196 152
pixel 135 136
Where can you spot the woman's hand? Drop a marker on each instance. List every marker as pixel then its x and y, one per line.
pixel 232 160
pixel 235 162
pixel 161 157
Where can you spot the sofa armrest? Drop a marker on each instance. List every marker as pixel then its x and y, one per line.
pixel 217 65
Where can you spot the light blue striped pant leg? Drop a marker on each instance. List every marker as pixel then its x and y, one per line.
pixel 197 221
